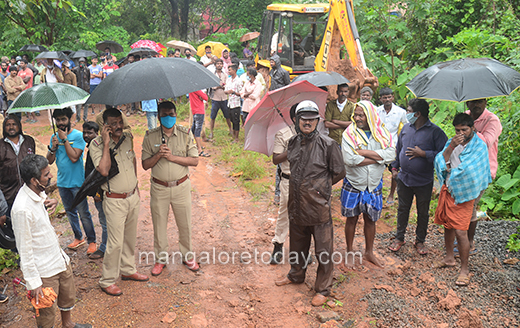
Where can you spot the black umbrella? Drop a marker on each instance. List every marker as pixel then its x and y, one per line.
pixel 67 51
pixel 52 55
pixel 153 78
pixel 465 79
pixel 114 46
pixel 95 180
pixel 141 51
pixel 123 60
pixel 82 53
pixel 33 47
pixel 321 79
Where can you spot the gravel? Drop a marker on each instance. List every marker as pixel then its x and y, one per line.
pixel 492 294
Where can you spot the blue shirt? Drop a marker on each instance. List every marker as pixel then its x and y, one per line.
pixel 95 70
pixel 418 171
pixel 149 105
pixel 70 175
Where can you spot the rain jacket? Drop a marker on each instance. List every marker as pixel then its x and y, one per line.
pixel 315 163
pixel 10 179
pixel 279 77
pixel 82 77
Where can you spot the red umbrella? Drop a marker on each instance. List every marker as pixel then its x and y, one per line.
pixel 150 44
pixel 273 114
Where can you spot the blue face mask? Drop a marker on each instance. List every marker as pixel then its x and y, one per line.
pixel 168 121
pixel 411 117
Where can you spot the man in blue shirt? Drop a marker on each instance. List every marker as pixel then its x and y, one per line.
pixel 418 144
pixel 96 74
pixel 66 149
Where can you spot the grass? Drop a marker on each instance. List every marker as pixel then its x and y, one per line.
pixel 250 167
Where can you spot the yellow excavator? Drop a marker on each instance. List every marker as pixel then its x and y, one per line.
pixel 309 37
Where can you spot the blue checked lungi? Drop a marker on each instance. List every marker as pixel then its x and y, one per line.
pixel 355 202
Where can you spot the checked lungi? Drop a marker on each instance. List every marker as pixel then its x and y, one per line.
pixel 355 202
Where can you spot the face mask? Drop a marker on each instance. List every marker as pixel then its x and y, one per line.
pixel 168 121
pixel 411 117
pixel 50 66
pixel 42 187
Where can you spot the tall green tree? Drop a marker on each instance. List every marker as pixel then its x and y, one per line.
pixel 40 22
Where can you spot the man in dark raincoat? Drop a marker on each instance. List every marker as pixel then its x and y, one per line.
pixel 316 164
pixel 279 77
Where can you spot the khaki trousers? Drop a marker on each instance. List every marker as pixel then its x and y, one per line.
pixel 282 223
pixel 122 215
pixel 179 198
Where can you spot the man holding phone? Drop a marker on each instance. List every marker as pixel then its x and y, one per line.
pixel 66 149
pixel 120 203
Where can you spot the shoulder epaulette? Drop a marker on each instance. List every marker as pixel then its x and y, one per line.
pixel 183 129
pixel 153 130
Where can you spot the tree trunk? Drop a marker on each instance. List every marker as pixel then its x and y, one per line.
pixel 174 23
pixel 185 10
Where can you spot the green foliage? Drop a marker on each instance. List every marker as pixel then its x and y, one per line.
pixel 7 259
pixel 513 243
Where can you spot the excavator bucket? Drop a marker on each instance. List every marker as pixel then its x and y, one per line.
pixel 341 29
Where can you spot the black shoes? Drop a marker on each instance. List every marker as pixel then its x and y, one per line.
pixel 277 256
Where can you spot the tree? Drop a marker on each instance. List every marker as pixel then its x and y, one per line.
pixel 43 21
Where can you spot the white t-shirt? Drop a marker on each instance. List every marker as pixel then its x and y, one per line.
pixel 50 77
pixel 392 119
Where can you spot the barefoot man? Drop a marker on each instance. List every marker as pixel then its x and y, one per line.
pixel 463 171
pixel 367 148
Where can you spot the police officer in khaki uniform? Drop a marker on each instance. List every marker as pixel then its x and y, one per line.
pixel 168 150
pixel 121 202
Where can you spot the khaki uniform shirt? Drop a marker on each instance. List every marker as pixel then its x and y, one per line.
pixel 181 143
pixel 281 140
pixel 126 180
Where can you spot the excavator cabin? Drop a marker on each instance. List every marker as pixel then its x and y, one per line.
pixel 295 33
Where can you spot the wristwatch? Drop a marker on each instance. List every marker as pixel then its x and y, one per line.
pixel 50 149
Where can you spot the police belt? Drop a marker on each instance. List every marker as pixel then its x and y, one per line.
pixel 170 183
pixel 286 176
pixel 123 195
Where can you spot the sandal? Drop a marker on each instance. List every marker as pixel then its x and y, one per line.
pixel 396 245
pixel 203 154
pixel 441 264
pixel 462 281
pixel 421 248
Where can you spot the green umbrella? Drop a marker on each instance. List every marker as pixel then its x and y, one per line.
pixel 48 96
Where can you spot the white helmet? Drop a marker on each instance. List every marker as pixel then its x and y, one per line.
pixel 308 109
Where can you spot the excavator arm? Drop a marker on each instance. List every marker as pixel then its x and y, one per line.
pixel 341 30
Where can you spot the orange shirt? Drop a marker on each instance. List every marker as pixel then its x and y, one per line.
pixel 23 73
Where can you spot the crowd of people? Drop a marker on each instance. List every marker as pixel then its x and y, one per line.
pixel 361 142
